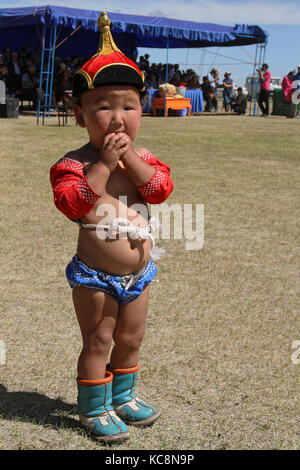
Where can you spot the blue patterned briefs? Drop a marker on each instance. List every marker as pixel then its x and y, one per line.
pixel 124 289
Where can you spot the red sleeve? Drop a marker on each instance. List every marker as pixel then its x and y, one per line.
pixel 72 194
pixel 160 186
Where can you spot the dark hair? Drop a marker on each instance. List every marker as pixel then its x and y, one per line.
pixel 240 89
pixel 265 65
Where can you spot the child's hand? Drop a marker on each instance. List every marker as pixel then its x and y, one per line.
pixel 129 147
pixel 114 146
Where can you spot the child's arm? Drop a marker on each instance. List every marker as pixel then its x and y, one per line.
pixel 138 170
pixel 150 175
pixel 77 188
pixel 73 195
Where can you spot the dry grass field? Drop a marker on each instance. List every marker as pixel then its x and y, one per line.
pixel 217 355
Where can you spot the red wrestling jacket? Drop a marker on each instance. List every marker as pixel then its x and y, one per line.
pixel 75 198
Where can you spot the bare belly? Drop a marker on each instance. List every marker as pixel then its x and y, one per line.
pixel 122 255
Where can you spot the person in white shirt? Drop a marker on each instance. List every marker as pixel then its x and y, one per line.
pixel 213 78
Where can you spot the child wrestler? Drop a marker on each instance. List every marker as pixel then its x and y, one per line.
pixel 104 187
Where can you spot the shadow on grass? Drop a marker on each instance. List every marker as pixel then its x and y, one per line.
pixel 38 409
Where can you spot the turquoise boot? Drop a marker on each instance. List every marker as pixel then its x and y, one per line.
pixel 126 404
pixel 96 411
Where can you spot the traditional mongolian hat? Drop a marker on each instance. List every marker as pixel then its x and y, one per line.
pixel 109 66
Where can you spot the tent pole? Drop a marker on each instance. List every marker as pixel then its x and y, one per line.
pixel 202 62
pixel 49 48
pixel 256 83
pixel 261 48
pixel 47 101
pixel 52 56
pixel 41 71
pixel 264 54
pixel 252 82
pixel 167 73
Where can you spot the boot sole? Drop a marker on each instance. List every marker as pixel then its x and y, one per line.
pixel 143 422
pixel 112 439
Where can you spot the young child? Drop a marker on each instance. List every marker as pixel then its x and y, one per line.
pixel 105 186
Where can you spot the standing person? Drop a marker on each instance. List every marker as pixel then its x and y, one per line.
pixel 265 80
pixel 213 78
pixel 208 94
pixel 108 181
pixel 227 90
pixel 287 89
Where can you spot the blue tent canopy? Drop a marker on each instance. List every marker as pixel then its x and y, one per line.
pixel 23 26
pixel 71 31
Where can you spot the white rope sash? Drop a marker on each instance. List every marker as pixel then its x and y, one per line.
pixel 120 226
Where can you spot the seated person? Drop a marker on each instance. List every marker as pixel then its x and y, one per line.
pixel 287 89
pixel 193 82
pixel 152 81
pixel 14 75
pixel 239 102
pixel 4 77
pixel 30 86
pixel 63 89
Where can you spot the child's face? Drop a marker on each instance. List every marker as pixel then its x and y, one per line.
pixel 109 109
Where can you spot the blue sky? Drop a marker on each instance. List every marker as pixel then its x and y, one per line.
pixel 280 18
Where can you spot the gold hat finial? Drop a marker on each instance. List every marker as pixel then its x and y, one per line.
pixel 104 22
pixel 107 44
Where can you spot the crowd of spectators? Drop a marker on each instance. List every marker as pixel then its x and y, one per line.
pixel 156 74
pixel 21 73
pixel 232 100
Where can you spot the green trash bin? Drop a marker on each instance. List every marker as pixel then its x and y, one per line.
pixel 280 106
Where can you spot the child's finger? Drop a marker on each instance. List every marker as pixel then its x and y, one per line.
pixel 113 139
pixel 124 148
pixel 108 140
pixel 120 137
pixel 121 143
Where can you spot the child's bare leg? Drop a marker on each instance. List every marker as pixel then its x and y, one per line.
pixel 96 314
pixel 124 360
pixel 129 332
